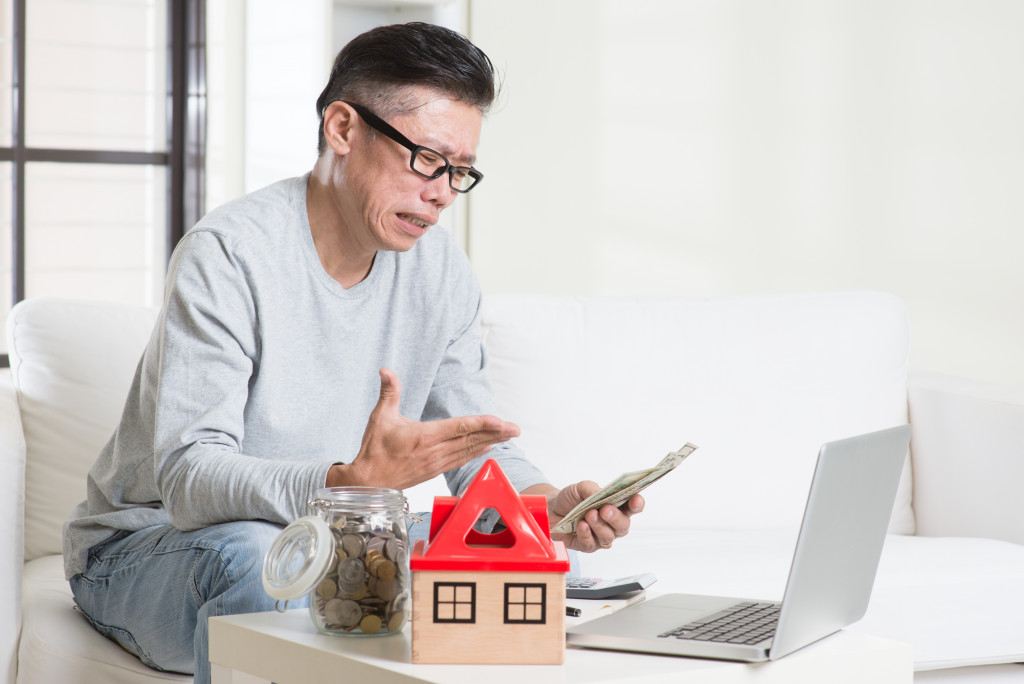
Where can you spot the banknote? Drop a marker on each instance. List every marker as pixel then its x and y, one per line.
pixel 621 488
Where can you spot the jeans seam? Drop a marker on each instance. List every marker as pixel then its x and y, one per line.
pixel 109 630
pixel 228 569
pixel 193 585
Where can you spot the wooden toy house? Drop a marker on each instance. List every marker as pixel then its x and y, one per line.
pixel 489 598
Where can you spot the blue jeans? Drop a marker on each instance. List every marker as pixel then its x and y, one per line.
pixel 152 591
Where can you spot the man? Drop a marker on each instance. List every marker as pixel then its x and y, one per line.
pixel 317 332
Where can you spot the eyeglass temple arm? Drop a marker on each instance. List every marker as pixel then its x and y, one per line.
pixel 382 125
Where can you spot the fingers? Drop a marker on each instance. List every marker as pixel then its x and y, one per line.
pixel 601 527
pixel 459 440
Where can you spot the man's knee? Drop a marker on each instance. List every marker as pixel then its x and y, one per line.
pixel 232 556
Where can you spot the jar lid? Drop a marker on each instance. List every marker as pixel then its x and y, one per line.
pixel 298 559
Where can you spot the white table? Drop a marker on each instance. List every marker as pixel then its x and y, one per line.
pixel 285 648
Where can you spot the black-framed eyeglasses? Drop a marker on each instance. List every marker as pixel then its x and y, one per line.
pixel 426 162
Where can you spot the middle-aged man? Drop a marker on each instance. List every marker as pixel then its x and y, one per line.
pixel 317 332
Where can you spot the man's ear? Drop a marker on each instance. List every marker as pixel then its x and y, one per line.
pixel 339 127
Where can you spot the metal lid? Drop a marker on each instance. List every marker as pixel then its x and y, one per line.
pixel 298 559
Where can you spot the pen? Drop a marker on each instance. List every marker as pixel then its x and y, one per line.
pixel 572 612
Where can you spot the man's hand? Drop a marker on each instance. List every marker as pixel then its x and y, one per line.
pixel 599 527
pixel 398 452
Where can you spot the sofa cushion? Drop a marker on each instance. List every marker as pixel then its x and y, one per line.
pixel 600 386
pixel 968 457
pixel 72 362
pixel 59 645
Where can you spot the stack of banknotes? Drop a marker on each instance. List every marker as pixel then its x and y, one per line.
pixel 623 487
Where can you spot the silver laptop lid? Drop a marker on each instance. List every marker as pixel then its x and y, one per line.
pixel 847 515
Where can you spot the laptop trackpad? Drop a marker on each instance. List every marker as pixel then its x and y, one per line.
pixel 656 615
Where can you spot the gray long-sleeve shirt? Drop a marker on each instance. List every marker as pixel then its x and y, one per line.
pixel 262 371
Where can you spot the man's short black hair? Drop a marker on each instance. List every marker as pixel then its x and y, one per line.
pixel 377 68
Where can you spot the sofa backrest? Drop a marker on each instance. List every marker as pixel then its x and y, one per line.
pixel 72 363
pixel 601 386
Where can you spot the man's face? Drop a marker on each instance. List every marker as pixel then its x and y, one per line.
pixel 386 205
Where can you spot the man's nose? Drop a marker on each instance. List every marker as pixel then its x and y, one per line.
pixel 439 191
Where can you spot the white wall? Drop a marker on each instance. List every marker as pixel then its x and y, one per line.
pixel 286 65
pixel 711 148
pixel 225 101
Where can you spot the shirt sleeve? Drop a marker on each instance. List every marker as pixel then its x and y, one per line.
pixel 198 369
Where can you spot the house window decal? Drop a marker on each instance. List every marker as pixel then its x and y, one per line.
pixel 525 603
pixel 455 602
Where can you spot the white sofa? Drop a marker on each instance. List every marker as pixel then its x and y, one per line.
pixel 600 386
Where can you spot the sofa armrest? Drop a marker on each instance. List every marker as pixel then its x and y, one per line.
pixel 12 510
pixel 967 450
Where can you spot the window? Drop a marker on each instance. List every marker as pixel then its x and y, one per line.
pixel 102 137
pixel 454 602
pixel 525 603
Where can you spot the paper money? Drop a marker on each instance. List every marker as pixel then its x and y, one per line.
pixel 621 488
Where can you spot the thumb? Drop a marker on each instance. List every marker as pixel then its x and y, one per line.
pixel 390 390
pixel 584 489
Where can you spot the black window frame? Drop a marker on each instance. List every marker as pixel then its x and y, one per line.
pixel 185 158
pixel 455 602
pixel 525 603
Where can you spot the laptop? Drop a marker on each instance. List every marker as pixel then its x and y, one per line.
pixel 833 570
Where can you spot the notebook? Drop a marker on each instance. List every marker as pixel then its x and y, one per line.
pixel 837 552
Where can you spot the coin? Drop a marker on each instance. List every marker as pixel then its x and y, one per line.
pixel 357 523
pixel 398 603
pixel 358 593
pixel 373 558
pixel 327 589
pixel 370 624
pixel 353 544
pixel 344 612
pixel 385 570
pixel 350 570
pixel 376 543
pixel 396 621
pixel 387 590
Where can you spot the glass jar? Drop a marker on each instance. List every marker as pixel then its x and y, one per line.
pixel 351 557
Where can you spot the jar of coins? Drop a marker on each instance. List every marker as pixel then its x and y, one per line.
pixel 351 557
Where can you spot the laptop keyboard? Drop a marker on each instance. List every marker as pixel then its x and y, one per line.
pixel 747 622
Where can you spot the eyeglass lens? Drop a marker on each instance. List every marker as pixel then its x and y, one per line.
pixel 431 165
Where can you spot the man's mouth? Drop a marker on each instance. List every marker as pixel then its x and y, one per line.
pixel 408 218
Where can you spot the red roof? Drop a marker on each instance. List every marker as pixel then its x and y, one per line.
pixel 524 546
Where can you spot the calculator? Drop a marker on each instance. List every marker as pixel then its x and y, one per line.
pixel 598 588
